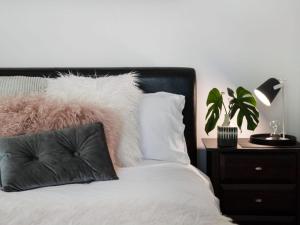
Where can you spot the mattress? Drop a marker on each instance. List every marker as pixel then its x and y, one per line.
pixel 152 193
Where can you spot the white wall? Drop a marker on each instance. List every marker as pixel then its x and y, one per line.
pixel 229 43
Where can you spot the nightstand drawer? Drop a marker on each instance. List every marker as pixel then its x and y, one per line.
pixel 258 168
pixel 278 200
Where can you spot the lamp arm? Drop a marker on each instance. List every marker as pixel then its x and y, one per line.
pixel 276 87
pixel 283 112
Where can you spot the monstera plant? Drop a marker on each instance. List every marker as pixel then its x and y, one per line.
pixel 241 102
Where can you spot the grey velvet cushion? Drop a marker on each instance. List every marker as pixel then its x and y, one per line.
pixel 71 155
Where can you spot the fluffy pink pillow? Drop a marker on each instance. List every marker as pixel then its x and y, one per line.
pixel 33 114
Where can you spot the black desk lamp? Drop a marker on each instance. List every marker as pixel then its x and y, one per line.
pixel 266 93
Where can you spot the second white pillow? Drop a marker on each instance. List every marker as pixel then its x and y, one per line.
pixel 161 126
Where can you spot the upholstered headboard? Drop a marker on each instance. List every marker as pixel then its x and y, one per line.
pixel 152 79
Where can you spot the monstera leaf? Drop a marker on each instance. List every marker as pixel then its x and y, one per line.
pixel 214 102
pixel 245 104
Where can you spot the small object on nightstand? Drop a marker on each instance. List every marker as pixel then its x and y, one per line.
pixel 274 124
pixel 265 139
pixel 242 102
pixel 227 136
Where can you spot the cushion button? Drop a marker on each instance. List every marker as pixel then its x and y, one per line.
pixel 76 154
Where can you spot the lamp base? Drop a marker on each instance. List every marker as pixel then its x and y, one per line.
pixel 266 139
pixel 277 138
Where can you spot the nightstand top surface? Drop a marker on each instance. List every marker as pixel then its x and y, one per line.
pixel 244 144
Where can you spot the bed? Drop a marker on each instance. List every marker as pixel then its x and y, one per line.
pixel 153 192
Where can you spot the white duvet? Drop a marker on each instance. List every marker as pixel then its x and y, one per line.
pixel 149 194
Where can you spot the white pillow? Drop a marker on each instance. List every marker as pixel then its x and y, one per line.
pixel 118 93
pixel 162 128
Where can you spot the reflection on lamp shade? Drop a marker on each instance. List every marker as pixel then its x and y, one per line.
pixel 266 92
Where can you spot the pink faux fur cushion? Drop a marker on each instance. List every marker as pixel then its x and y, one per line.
pixel 32 114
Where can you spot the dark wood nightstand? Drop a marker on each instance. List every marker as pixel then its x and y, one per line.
pixel 256 185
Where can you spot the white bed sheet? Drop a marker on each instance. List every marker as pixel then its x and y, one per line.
pixel 153 193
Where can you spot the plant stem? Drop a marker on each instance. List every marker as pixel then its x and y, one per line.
pixel 224 107
pixel 223 93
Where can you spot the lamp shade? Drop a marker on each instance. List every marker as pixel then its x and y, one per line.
pixel 266 92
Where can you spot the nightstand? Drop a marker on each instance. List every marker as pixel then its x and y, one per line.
pixel 256 185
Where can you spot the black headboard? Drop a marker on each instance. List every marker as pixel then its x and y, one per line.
pixel 174 80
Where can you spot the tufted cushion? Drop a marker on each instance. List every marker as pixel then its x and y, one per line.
pixel 71 155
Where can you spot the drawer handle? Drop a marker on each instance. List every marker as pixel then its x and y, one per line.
pixel 258 200
pixel 258 168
